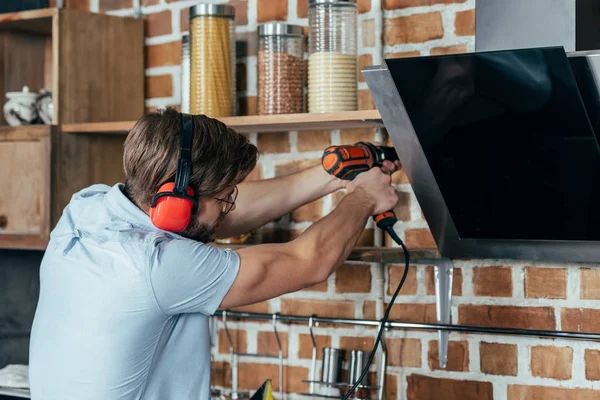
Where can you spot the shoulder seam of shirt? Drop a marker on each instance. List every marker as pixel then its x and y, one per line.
pixel 148 273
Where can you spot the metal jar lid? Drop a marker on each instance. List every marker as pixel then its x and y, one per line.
pixel 213 10
pixel 280 29
pixel 343 3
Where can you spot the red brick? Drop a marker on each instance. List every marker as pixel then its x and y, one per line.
pixel 592 364
pixel 262 307
pixel 322 308
pixel 366 239
pixel 158 24
pixel 426 388
pixel 159 86
pixel 357 343
pixel 507 316
pixel 404 352
pixel 369 310
pixel 456 281
pixel 302 9
pixel 395 275
pixel 364 6
pixel 461 48
pixel 238 337
pixel 400 177
pixel 412 312
pixel 498 359
pixel 314 140
pixel 291 167
pixel 464 25
pixel 319 287
pixel 273 142
pixel 395 4
pixel 365 100
pixel 552 362
pixel 580 320
pixel 419 239
pixel 352 136
pixel 220 373
pixel 402 208
pixel 353 278
pixel 309 212
pixel 241 11
pixel 403 54
pixel 368 32
pixel 458 356
pixel 521 392
pixel 252 376
pixel 492 281
pixel 267 343
pixel 161 55
pixel 590 283
pixel 391 386
pixel 548 283
pixel 255 175
pixel 269 10
pixel 364 60
pixel 109 5
pixel 247 105
pixel 305 345
pixel 416 28
pixel 184 19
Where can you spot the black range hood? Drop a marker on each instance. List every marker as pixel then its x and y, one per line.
pixel 501 149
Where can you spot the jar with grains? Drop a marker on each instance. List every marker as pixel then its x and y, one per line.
pixel 212 60
pixel 332 57
pixel 280 72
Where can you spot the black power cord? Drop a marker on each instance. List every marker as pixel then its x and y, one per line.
pixel 390 231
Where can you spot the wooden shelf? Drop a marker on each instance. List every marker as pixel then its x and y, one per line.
pixel 259 123
pixel 24 132
pixel 35 21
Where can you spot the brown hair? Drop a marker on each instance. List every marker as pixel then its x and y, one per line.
pixel 221 157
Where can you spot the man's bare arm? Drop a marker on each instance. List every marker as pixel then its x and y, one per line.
pixel 270 270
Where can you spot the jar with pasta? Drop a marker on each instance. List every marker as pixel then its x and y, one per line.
pixel 280 72
pixel 332 64
pixel 212 60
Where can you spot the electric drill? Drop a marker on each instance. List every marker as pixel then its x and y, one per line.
pixel 346 162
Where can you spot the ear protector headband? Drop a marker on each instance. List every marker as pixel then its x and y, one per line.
pixel 174 203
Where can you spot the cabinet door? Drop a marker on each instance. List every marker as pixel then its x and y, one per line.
pixel 25 189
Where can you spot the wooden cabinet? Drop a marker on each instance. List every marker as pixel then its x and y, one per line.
pixel 94 65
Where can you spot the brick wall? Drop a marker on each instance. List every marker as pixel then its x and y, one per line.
pixel 486 292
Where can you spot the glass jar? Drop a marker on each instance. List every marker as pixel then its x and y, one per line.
pixel 332 55
pixel 212 60
pixel 185 73
pixel 280 69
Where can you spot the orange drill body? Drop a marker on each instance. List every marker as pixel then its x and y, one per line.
pixel 346 162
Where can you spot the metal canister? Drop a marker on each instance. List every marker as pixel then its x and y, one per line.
pixel 212 60
pixel 356 366
pixel 332 365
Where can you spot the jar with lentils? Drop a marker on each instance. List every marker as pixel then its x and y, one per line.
pixel 332 65
pixel 280 68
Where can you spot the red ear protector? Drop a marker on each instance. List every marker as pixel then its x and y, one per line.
pixel 174 204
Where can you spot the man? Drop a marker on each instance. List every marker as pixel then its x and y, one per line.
pixel 123 308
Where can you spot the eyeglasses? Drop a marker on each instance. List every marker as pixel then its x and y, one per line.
pixel 230 201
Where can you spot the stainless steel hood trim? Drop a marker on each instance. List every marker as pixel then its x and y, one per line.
pixel 423 182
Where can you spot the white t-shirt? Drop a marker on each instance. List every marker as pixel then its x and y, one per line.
pixel 123 307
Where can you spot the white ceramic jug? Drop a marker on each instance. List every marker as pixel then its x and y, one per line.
pixel 20 108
